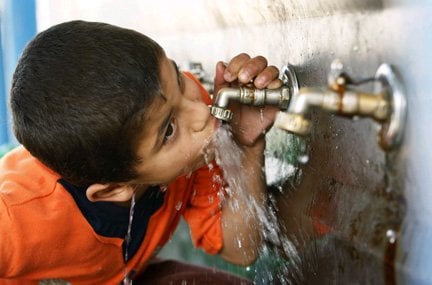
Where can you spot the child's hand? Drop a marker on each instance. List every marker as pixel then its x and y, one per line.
pixel 248 123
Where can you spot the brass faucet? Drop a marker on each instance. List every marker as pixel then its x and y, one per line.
pixel 386 106
pixel 249 95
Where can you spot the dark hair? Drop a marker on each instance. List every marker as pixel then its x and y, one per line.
pixel 79 95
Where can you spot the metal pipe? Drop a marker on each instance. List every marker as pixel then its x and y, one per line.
pixel 344 102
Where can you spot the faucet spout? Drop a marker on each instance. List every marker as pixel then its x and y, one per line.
pixel 248 96
pixel 256 97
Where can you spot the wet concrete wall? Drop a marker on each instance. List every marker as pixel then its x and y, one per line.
pixel 374 207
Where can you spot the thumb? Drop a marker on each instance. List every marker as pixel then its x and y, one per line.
pixel 219 81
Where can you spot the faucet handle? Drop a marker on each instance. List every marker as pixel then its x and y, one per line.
pixel 391 133
pixel 289 79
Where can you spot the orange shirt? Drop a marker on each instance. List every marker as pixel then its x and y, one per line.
pixel 43 234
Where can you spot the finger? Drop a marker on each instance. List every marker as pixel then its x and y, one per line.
pixel 266 76
pixel 269 115
pixel 219 80
pixel 234 66
pixel 275 84
pixel 251 69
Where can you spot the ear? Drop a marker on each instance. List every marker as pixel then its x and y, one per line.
pixel 110 192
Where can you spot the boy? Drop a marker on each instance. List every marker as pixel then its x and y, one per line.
pixel 104 118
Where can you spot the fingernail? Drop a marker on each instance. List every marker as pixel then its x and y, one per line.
pixel 244 77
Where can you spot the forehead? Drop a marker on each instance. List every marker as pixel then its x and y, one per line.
pixel 167 74
pixel 158 110
pixel 155 109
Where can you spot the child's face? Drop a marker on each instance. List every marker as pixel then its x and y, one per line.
pixel 179 130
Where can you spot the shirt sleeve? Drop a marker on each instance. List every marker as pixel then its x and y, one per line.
pixel 203 213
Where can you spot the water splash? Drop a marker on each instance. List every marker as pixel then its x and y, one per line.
pixel 229 157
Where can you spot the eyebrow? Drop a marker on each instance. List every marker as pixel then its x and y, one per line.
pixel 177 72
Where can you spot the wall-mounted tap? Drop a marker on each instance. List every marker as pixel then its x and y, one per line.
pixel 387 105
pixel 249 95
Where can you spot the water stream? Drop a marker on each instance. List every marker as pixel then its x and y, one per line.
pixel 286 271
pixel 126 279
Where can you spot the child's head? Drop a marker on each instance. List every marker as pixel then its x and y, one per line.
pixel 103 106
pixel 79 95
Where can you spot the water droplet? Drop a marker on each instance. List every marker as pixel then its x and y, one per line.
pixel 163 188
pixel 211 199
pixel 367 161
pixel 303 158
pixel 217 179
pixel 235 204
pixel 127 281
pixel 337 147
pixel 178 205
pixel 355 48
pixel 228 191
pixel 356 118
pixel 210 166
pixel 239 243
pixel 391 235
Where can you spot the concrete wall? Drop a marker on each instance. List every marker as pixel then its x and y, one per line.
pixel 376 204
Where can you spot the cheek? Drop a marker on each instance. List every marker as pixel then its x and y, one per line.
pixel 189 157
pixel 192 91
